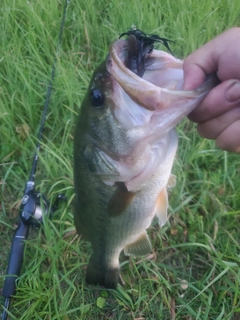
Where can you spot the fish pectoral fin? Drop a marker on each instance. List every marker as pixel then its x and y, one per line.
pixel 172 181
pixel 140 247
pixel 161 207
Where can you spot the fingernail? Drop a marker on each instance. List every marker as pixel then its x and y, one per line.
pixel 233 92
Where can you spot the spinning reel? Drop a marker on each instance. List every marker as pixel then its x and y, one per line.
pixel 33 207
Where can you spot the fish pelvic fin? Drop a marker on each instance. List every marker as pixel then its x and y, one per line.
pixel 161 207
pixel 102 275
pixel 141 247
pixel 172 181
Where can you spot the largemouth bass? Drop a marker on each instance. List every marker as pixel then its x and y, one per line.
pixel 124 148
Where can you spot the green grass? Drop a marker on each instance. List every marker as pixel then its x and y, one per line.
pixel 198 248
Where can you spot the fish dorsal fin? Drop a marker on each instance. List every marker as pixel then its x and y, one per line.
pixel 161 207
pixel 140 247
pixel 172 181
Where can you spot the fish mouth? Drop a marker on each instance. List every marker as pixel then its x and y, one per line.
pixel 152 78
pixel 138 52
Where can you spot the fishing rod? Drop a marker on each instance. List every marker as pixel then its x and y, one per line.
pixel 34 205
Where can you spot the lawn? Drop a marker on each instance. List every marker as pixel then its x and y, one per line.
pixel 193 271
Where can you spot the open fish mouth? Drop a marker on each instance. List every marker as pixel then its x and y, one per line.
pixel 152 78
pixel 140 46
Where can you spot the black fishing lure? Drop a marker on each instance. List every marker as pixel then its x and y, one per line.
pixel 140 46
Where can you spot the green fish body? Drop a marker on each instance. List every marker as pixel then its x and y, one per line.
pixel 124 148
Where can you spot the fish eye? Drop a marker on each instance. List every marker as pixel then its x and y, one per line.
pixel 96 97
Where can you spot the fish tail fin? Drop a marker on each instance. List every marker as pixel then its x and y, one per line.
pixel 98 274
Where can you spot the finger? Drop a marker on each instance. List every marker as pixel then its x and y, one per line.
pixel 229 139
pixel 213 129
pixel 219 100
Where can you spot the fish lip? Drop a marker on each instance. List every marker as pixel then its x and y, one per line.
pixel 143 92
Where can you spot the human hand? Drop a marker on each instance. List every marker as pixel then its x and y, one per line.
pixel 218 115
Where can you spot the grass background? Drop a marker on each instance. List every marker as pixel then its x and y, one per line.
pixel 193 272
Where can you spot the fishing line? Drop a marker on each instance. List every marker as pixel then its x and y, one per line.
pixel 31 211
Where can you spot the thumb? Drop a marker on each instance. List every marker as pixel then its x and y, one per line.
pixel 219 55
pixel 194 76
pixel 198 65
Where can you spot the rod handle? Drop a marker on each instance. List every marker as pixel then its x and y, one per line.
pixel 15 259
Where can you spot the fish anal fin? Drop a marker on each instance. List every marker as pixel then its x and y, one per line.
pixel 140 247
pixel 120 200
pixel 161 207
